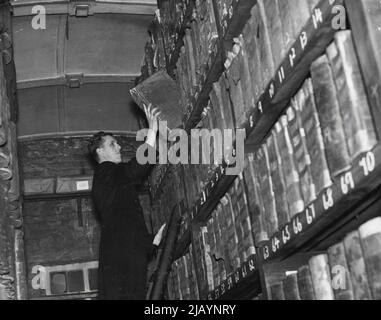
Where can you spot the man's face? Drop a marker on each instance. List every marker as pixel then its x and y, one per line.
pixel 110 151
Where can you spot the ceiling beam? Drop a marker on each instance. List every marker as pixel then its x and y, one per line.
pixel 75 80
pixel 84 8
pixel 77 134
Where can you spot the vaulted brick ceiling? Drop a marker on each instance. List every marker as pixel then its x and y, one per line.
pixel 74 75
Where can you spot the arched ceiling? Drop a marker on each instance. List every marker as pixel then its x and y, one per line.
pixel 75 68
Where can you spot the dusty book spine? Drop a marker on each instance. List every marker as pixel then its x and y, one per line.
pixel 327 105
pixel 305 285
pixel 277 177
pixel 356 266
pixel 261 162
pixel 370 234
pixel 341 280
pixel 358 122
pixel 320 174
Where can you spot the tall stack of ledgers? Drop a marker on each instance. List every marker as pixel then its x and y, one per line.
pixel 325 127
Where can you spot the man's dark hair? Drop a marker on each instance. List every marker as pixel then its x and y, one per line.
pixel 96 142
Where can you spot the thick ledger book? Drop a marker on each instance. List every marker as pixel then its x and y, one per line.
pixel 290 287
pixel 320 174
pixel 261 162
pixel 358 122
pixel 256 208
pixel 162 92
pixel 341 280
pixel 265 52
pixel 370 234
pixel 301 156
pixel 321 277
pixel 251 45
pixel 305 285
pixel 277 177
pixel 277 291
pixel 274 26
pixel 291 176
pixel 328 108
pixel 356 266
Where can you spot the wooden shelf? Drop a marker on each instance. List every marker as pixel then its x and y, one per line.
pixel 333 204
pixel 244 283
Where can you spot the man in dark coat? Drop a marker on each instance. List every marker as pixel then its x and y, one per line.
pixel 125 244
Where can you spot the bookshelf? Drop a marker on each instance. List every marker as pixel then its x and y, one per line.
pixel 354 196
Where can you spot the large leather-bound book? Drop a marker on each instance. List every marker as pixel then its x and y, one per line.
pixel 277 291
pixel 321 277
pixel 251 45
pixel 162 92
pixel 305 285
pixel 320 174
pixel 364 17
pixel 291 175
pixel 219 243
pixel 358 122
pixel 301 156
pixel 341 280
pixel 356 266
pixel 290 287
pixel 261 162
pixel 277 177
pixel 257 211
pixel 327 105
pixel 274 26
pixel 370 234
pixel 264 45
pixel 246 77
pixel 244 218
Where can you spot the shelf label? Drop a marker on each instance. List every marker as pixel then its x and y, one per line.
pixel 266 252
pixel 347 183
pixel 297 226
pixel 328 201
pixel 286 236
pixel 368 163
pixel 310 214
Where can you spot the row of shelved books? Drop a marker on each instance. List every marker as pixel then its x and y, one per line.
pixel 225 242
pixel 350 270
pixel 251 65
pixel 272 29
pixel 182 279
pixel 181 183
pixel 196 54
pixel 326 126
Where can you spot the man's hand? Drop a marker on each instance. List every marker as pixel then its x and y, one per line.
pixel 152 115
pixel 159 236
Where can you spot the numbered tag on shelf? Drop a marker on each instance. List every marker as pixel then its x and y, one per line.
pixel 251 265
pixel 368 163
pixel 217 294
pixel 286 235
pixel 328 201
pixel 244 271
pixel 297 226
pixel 237 277
pixel 275 244
pixel 222 288
pixel 230 283
pixel 266 252
pixel 310 214
pixel 347 183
